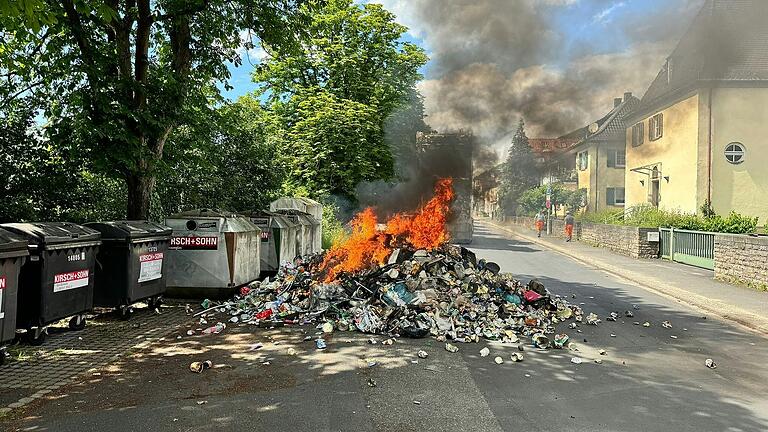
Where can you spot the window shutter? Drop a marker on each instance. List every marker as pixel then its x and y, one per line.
pixel 610 196
pixel 661 125
pixel 611 158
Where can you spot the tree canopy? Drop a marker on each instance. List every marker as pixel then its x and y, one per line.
pixel 334 94
pixel 115 77
pixel 519 172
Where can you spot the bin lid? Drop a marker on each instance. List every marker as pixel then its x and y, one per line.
pixel 276 220
pixel 299 217
pixel 10 243
pixel 130 230
pixel 47 234
pixel 203 213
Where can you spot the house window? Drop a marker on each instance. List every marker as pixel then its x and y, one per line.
pixel 617 158
pixel 582 160
pixel 614 196
pixel 734 153
pixel 655 127
pixel 638 133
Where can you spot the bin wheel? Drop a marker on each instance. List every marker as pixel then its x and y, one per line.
pixel 77 322
pixel 125 312
pixel 3 354
pixel 36 337
pixel 154 302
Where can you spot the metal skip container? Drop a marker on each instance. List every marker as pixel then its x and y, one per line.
pixel 307 206
pixel 13 254
pixel 211 253
pixel 278 239
pixel 57 280
pixel 130 264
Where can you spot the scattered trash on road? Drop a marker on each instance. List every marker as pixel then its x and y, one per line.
pixel 199 367
pixel 576 360
pixel 710 363
pixel 484 352
pixel 320 344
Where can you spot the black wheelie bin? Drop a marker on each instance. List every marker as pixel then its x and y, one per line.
pixel 57 280
pixel 129 265
pixel 13 253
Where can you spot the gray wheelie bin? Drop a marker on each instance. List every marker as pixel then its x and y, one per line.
pixel 129 265
pixel 278 239
pixel 211 253
pixel 13 254
pixel 57 280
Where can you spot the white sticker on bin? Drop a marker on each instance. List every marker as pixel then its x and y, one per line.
pixel 70 280
pixel 151 267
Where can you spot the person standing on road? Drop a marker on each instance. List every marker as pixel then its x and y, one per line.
pixel 540 218
pixel 569 222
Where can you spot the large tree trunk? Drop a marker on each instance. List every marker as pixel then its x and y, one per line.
pixel 140 188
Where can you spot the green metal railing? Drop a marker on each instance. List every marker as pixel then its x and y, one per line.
pixel 694 248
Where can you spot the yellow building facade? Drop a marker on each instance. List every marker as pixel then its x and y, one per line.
pixel 712 148
pixel 600 157
pixel 700 133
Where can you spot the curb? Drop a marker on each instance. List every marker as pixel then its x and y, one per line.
pixel 715 307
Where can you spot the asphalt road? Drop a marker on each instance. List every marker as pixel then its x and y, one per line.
pixel 648 381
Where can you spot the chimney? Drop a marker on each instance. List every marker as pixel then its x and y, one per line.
pixel 616 102
pixel 627 95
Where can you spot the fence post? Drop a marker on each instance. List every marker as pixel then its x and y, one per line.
pixel 672 244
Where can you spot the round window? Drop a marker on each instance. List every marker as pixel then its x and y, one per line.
pixel 734 153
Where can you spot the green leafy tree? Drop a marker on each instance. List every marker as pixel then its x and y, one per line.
pixel 534 199
pixel 39 181
pixel 334 96
pixel 228 160
pixel 332 144
pixel 116 77
pixel 519 172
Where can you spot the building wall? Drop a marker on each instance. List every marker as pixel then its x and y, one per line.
pixel 676 153
pixel 584 179
pixel 606 177
pixel 740 115
pixel 598 177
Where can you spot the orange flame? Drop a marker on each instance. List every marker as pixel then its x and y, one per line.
pixel 366 246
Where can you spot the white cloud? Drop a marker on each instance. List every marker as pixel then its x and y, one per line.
pixel 604 16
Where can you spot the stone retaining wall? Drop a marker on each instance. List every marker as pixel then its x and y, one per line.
pixel 625 240
pixel 742 259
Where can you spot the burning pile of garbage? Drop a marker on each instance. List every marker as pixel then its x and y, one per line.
pixel 406 280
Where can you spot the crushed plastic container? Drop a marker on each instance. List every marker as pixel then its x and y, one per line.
pixel 57 280
pixel 308 206
pixel 13 254
pixel 211 253
pixel 130 263
pixel 278 239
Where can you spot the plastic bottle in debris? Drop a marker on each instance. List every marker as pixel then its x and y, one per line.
pixel 218 328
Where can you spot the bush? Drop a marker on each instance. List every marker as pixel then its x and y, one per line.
pixel 609 217
pixel 646 216
pixel 333 230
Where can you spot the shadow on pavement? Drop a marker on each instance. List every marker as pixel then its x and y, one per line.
pixel 647 381
pixel 484 239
